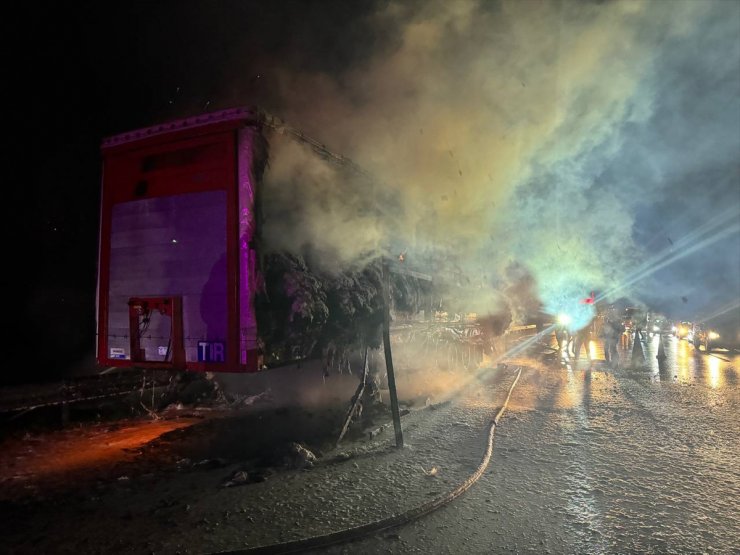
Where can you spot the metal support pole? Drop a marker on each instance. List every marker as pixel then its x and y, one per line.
pixel 388 356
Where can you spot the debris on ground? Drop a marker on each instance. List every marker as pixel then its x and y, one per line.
pixel 239 478
pixel 237 400
pixel 298 457
pixel 211 463
pixel 342 457
pixel 431 472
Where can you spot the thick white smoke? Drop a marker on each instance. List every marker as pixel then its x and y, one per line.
pixel 498 129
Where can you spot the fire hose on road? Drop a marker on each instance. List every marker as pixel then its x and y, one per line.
pixel 394 521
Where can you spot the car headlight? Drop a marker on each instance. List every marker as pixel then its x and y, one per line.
pixel 713 335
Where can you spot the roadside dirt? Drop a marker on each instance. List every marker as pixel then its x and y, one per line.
pixel 197 481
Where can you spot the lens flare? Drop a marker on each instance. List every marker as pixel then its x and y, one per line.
pixel 722 226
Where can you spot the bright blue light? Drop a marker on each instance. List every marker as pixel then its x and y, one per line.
pixel 569 302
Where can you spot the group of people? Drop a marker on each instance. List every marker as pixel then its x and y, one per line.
pixel 608 327
pixel 572 342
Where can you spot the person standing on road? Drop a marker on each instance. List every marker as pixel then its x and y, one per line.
pixel 582 338
pixel 611 333
pixel 561 337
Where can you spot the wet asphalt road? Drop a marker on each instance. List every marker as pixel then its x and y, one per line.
pixel 587 459
pixel 592 459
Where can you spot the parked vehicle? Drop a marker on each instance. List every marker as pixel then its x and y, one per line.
pixel 706 338
pixel 683 330
pixel 660 326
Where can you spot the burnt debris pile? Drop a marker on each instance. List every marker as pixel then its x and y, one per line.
pixel 303 312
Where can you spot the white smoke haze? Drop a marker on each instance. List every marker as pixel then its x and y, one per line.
pixel 315 207
pixel 513 132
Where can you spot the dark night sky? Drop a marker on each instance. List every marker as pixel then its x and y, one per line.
pixel 78 74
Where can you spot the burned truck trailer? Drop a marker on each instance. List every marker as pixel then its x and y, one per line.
pixel 186 278
pixel 177 260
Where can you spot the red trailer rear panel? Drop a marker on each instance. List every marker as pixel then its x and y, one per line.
pixel 177 271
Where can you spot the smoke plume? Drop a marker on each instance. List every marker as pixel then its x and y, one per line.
pixel 574 139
